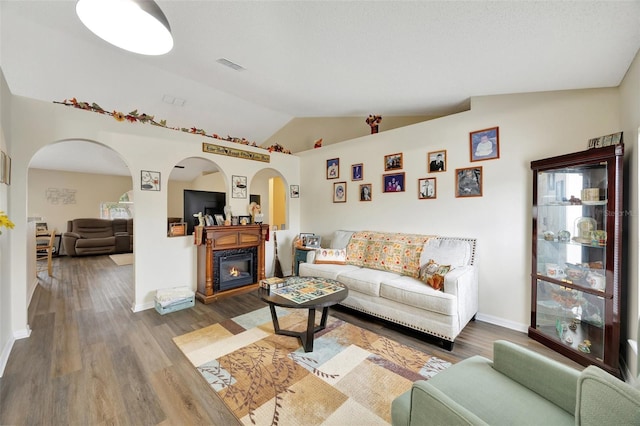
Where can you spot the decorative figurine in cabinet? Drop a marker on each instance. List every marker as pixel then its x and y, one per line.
pixel 577 253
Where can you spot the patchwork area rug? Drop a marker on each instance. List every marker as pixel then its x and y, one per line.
pixel 122 259
pixel 351 377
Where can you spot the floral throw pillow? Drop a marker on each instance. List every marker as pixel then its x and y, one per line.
pixel 336 256
pixel 432 273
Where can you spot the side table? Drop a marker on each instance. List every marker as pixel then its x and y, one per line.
pixel 300 256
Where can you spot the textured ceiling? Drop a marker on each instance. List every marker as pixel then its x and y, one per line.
pixel 320 58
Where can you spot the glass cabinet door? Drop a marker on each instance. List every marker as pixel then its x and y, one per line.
pixel 571 257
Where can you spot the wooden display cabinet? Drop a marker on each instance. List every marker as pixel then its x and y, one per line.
pixel 576 283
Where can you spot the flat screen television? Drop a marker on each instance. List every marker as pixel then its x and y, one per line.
pixel 206 202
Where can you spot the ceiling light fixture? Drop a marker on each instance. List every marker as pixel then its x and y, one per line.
pixel 138 26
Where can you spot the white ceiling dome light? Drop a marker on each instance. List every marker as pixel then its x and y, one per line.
pixel 138 26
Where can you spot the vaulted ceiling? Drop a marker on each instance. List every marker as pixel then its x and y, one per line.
pixel 319 58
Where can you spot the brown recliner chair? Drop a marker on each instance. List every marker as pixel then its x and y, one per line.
pixel 88 236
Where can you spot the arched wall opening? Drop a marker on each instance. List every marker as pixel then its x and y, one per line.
pixel 87 184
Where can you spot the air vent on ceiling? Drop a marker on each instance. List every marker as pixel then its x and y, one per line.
pixel 232 65
pixel 168 99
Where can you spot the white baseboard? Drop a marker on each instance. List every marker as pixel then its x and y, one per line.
pixel 143 307
pixel 6 351
pixel 512 325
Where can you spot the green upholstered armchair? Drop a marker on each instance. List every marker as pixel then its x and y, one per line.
pixel 518 387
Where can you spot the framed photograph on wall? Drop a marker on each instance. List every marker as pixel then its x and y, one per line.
pixel 366 193
pixel 393 182
pixel 333 168
pixel 239 187
pixel 357 171
pixel 393 162
pixel 427 189
pixel 437 161
pixel 469 182
pixel 340 192
pixel 149 181
pixel 294 191
pixel 484 144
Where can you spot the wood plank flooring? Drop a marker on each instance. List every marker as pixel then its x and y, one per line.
pixel 90 360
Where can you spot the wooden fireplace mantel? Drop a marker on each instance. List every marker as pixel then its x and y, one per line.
pixel 227 238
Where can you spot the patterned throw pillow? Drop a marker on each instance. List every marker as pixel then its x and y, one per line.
pixel 337 256
pixel 433 274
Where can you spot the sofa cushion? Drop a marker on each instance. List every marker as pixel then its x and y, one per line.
pixel 446 252
pixel 393 252
pixel 365 280
pixel 413 292
pixel 96 242
pixel 340 239
pixel 494 397
pixel 93 228
pixel 330 271
pixel 337 256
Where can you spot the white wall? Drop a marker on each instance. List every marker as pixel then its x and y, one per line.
pixel 90 191
pixel 7 335
pixel 532 127
pixel 160 261
pixel 630 118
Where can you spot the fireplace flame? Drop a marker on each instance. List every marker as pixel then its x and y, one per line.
pixel 234 272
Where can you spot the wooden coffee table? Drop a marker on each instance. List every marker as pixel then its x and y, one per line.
pixel 324 302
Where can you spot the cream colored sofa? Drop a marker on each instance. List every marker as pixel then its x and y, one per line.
pixel 401 298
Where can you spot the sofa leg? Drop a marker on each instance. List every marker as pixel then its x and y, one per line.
pixel 447 345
